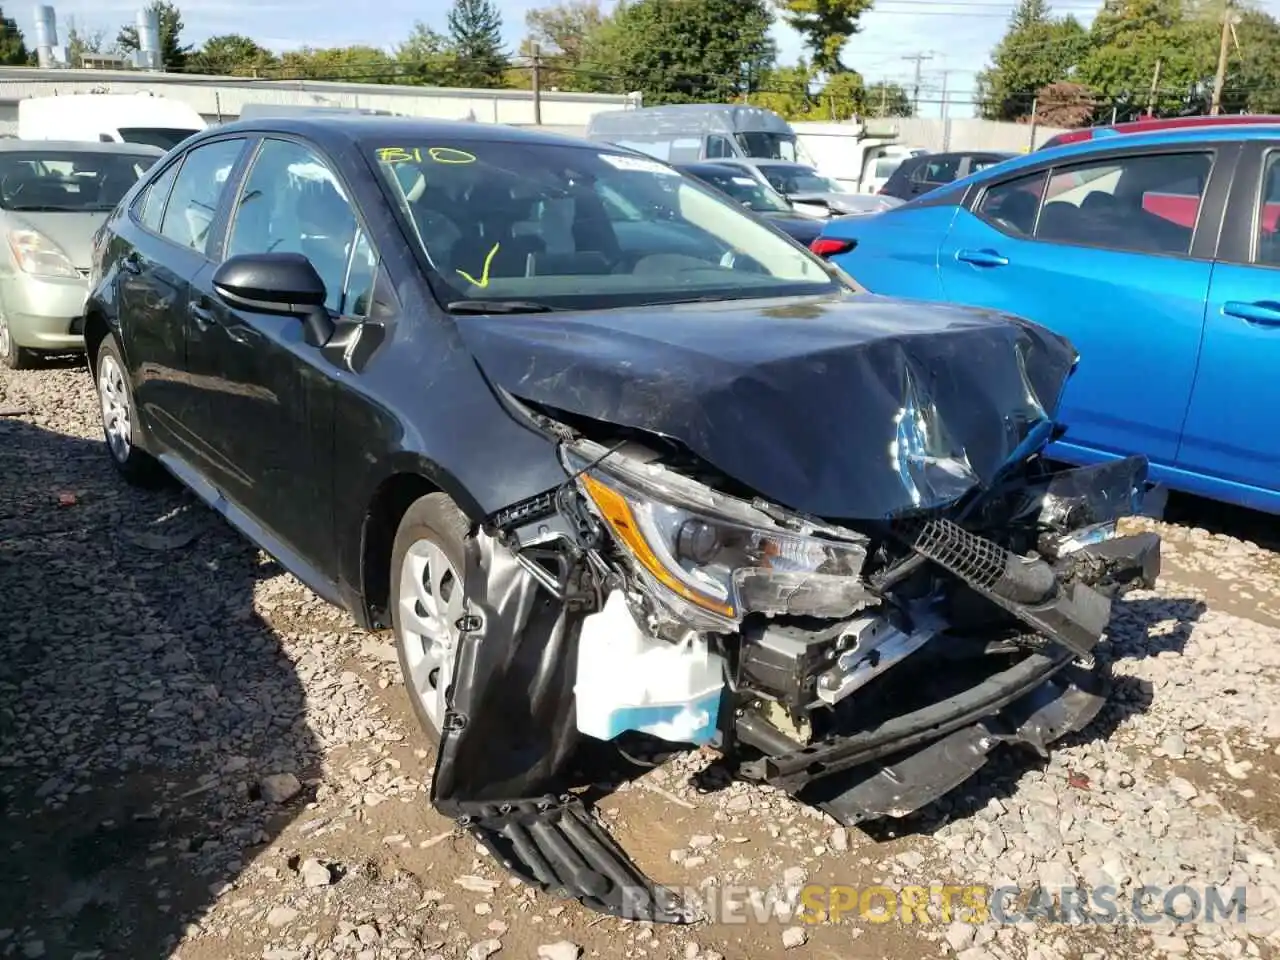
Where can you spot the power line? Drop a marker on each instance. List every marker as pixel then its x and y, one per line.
pixel 919 58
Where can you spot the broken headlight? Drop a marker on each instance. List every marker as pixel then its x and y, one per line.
pixel 708 554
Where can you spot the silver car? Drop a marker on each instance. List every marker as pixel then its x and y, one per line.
pixel 808 190
pixel 53 196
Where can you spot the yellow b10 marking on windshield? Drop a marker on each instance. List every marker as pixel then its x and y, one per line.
pixel 398 154
pixel 484 274
pixel 450 155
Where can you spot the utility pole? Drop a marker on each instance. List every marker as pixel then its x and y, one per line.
pixel 1220 79
pixel 884 97
pixel 536 83
pixel 946 122
pixel 919 58
pixel 1155 85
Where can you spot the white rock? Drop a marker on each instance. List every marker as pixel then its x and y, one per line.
pixel 793 937
pixel 1164 944
pixel 282 916
pixel 280 787
pixel 315 874
pixel 961 935
pixel 560 950
pixel 484 949
pixel 839 840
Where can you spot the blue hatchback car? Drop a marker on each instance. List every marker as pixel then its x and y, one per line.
pixel 1156 254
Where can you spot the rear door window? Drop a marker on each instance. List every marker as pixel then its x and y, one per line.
pixel 1268 225
pixel 150 206
pixel 197 191
pixel 937 170
pixel 1147 203
pixel 1011 206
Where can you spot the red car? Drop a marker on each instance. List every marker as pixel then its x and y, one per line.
pixel 1154 123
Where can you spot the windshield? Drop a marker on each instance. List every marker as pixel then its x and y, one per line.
pixel 166 138
pixel 748 191
pixel 568 227
pixel 66 180
pixel 886 165
pixel 798 179
pixel 769 146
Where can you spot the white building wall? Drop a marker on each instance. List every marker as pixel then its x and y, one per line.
pixel 220 98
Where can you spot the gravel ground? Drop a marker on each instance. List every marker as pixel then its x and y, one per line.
pixel 200 759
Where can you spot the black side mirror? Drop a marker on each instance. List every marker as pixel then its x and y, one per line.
pixel 280 283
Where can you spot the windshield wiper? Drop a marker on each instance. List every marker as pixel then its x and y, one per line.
pixel 43 208
pixel 499 306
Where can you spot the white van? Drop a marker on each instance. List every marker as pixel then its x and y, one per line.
pixel 107 118
pixel 689 132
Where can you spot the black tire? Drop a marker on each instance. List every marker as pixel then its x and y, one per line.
pixel 137 466
pixel 434 517
pixel 15 357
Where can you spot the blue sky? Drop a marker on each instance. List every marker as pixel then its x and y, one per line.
pixel 958 33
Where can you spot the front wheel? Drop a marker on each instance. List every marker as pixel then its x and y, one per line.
pixel 11 355
pixel 427 597
pixel 120 420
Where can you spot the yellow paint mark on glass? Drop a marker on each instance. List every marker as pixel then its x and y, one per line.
pixel 399 154
pixel 450 155
pixel 484 274
pixel 447 155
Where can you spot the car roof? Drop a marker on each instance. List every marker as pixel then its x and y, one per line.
pixel 769 162
pixel 1156 123
pixel 1172 136
pixel 79 146
pixel 709 166
pixel 392 131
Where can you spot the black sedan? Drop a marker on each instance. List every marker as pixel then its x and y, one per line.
pixel 759 198
pixel 615 463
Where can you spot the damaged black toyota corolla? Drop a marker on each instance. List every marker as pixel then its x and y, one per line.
pixel 613 459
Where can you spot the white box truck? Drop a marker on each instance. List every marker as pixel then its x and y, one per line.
pixel 108 117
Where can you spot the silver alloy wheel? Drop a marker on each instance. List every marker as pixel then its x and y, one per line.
pixel 114 396
pixel 431 604
pixel 6 341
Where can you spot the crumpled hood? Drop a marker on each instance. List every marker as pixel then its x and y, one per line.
pixel 845 407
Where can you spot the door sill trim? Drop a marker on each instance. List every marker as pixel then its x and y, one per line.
pixel 253 531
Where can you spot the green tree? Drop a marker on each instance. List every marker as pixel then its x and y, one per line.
pixel 475 34
pixel 566 36
pixel 1128 38
pixel 884 99
pixel 357 63
pixel 1253 70
pixel 425 57
pixel 1036 50
pixel 787 91
pixel 13 46
pixel 233 55
pixel 173 54
pixel 81 42
pixel 825 25
pixel 687 51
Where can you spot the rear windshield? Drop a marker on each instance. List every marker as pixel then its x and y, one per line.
pixel 166 138
pixel 748 191
pixel 67 180
pixel 583 228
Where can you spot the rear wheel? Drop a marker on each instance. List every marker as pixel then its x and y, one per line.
pixel 427 561
pixel 120 420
